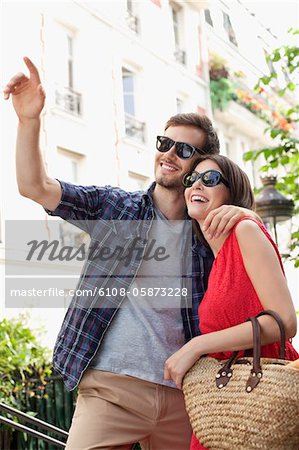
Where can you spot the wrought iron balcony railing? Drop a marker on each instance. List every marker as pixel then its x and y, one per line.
pixel 180 55
pixel 68 100
pixel 132 22
pixel 135 128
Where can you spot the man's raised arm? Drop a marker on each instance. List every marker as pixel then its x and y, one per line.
pixel 28 98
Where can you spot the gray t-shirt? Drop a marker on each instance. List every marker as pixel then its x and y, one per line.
pixel 148 327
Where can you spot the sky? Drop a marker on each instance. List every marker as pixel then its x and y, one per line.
pixel 278 15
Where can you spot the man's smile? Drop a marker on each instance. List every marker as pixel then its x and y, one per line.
pixel 169 167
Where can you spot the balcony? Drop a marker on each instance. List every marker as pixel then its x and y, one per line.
pixel 71 237
pixel 180 56
pixel 132 22
pixel 135 129
pixel 69 101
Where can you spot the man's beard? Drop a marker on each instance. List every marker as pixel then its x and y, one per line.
pixel 176 185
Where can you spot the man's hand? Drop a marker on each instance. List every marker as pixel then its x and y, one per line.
pixel 28 96
pixel 221 220
pixel 180 362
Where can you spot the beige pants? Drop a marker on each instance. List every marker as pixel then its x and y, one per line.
pixel 115 411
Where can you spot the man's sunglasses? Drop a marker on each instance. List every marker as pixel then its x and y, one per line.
pixel 209 178
pixel 183 150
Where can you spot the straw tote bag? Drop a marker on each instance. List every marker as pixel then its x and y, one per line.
pixel 233 407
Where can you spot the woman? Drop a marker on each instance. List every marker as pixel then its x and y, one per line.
pixel 247 274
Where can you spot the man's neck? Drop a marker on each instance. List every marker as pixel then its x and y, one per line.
pixel 170 202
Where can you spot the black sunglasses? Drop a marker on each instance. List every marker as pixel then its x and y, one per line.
pixel 183 150
pixel 209 178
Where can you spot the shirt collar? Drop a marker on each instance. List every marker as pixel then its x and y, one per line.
pixel 147 196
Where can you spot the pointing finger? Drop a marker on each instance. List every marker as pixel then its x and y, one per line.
pixel 32 69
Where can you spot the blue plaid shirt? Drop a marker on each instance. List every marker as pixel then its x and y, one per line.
pixel 94 209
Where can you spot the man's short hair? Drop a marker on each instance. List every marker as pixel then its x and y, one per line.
pixel 200 121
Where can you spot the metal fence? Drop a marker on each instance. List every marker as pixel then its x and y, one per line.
pixel 44 430
pixel 55 405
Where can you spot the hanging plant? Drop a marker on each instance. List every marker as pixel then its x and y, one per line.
pixel 222 91
pixel 218 67
pixel 221 86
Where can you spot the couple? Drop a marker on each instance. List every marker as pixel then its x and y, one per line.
pixel 129 362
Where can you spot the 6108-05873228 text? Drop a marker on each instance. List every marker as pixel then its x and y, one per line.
pixel 102 292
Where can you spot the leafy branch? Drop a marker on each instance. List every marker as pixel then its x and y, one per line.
pixel 284 155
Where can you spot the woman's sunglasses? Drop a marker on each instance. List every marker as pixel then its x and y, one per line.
pixel 183 150
pixel 209 178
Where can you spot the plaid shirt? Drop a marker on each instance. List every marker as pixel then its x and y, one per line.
pixel 94 209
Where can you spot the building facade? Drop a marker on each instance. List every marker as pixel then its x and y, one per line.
pixel 114 72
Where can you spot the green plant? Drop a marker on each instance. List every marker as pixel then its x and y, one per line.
pixel 221 85
pixel 24 363
pixel 284 154
pixel 222 92
pixel 28 383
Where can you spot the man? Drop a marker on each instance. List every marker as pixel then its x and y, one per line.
pixel 116 355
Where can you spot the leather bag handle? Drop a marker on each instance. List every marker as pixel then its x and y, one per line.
pixel 225 373
pixel 277 318
pixel 256 372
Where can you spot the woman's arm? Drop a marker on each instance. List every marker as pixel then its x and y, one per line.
pixel 263 268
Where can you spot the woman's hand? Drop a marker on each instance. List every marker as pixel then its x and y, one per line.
pixel 180 362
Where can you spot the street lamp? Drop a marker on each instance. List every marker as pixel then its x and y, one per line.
pixel 276 212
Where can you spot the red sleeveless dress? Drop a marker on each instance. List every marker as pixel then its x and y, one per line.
pixel 231 298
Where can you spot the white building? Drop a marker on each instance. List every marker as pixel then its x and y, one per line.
pixel 114 72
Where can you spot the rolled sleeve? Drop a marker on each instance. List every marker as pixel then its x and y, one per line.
pixel 79 203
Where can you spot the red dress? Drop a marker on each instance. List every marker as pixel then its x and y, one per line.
pixel 231 298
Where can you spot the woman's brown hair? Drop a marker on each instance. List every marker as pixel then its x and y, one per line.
pixel 240 190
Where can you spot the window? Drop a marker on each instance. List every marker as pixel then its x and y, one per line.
pixel 65 56
pixel 66 98
pixel 69 166
pixel 131 18
pixel 176 24
pixel 208 17
pixel 130 7
pixel 70 61
pixel 128 91
pixel 227 149
pixel 70 236
pixel 1 237
pixel 229 29
pixel 177 20
pixel 134 128
pixel 69 169
pixel 179 105
pixel 136 182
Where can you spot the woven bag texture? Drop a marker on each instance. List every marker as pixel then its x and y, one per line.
pixel 231 418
